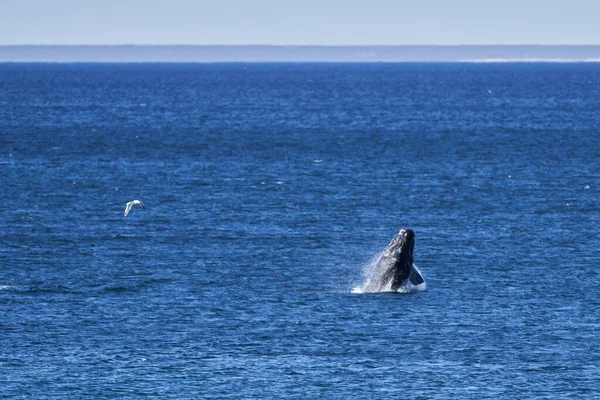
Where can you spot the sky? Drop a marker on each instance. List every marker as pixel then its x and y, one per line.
pixel 300 22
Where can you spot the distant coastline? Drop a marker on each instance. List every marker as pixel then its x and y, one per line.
pixel 273 53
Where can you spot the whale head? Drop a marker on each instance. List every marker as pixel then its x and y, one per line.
pixel 401 248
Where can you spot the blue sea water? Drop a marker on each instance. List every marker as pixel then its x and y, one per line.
pixel 269 189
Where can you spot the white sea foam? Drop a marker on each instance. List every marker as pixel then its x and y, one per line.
pixel 406 288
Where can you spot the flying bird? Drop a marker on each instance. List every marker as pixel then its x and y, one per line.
pixel 131 204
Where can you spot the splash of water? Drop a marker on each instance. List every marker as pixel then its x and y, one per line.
pixel 370 271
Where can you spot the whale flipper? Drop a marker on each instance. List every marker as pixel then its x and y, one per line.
pixel 415 276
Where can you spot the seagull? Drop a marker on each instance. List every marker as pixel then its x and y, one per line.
pixel 131 204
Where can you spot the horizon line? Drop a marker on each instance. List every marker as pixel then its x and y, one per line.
pixel 298 45
pixel 294 53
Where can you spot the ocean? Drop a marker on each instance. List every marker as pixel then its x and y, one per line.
pixel 269 189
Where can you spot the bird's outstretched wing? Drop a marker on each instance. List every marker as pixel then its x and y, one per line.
pixel 127 208
pixel 131 204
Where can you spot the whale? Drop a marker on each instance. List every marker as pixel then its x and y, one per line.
pixel 395 270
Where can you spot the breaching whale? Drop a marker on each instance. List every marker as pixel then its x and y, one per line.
pixel 395 268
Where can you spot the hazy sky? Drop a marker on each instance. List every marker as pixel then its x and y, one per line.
pixel 301 22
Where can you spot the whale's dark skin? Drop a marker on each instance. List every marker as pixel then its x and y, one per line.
pixel 395 266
